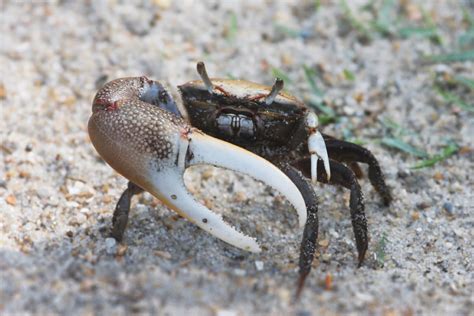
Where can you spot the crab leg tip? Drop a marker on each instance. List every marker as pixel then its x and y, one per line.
pixel 201 69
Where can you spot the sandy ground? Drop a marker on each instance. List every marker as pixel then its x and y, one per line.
pixel 57 196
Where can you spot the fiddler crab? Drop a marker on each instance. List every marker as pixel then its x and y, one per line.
pixel 137 128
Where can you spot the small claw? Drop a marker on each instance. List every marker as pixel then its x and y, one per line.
pixel 317 148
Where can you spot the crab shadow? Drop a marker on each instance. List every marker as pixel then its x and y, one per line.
pixel 163 262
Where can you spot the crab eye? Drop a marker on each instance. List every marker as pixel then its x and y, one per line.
pixel 236 125
pixel 163 96
pixel 154 93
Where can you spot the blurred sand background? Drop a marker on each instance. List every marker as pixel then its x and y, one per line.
pixel 396 76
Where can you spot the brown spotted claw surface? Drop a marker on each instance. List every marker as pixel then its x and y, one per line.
pixel 136 128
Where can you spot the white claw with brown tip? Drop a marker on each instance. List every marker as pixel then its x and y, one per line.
pixel 316 147
pixel 152 148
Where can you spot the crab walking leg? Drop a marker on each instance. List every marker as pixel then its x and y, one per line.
pixel 343 176
pixel 310 234
pixel 122 209
pixel 348 152
pixel 355 168
pixel 205 149
pixel 316 147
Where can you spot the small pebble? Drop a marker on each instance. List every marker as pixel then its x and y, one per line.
pixel 438 176
pixel 75 188
pixel 415 216
pixel 364 297
pixel 121 250
pixel 110 246
pixel 11 199
pixel 44 192
pixel 163 254
pixel 326 257
pixel 3 91
pixel 226 312
pixel 402 174
pixel 284 295
pixel 423 205
pixel 259 265
pixel 240 272
pixel 449 208
pixel 165 4
pixel 80 218
pixel 84 210
pixel 324 242
pixel 442 68
pixel 240 197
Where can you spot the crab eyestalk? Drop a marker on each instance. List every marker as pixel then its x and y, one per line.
pixel 152 148
pixel 276 88
pixel 201 69
pixel 316 147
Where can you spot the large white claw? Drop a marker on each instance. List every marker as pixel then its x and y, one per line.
pixel 204 149
pixel 209 150
pixel 316 147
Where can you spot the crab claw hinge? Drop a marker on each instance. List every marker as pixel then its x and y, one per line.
pixel 153 147
pixel 316 147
